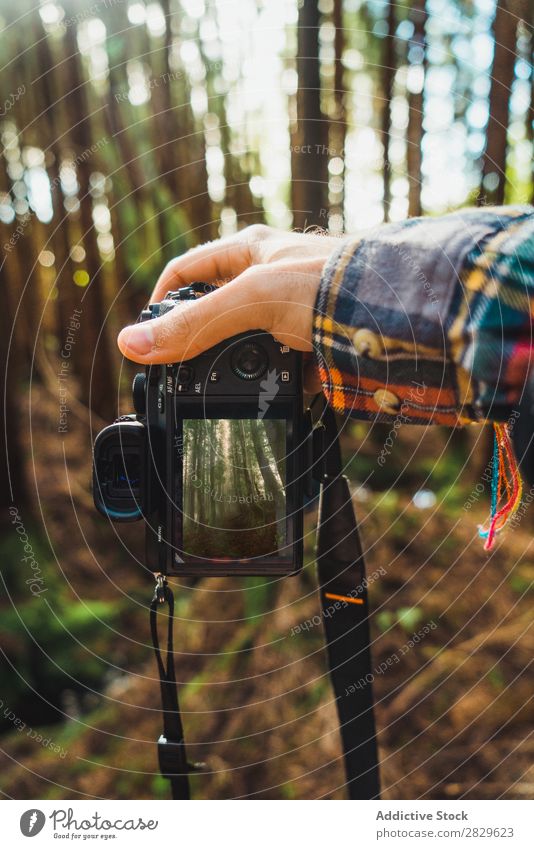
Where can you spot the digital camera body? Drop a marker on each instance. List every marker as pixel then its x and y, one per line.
pixel 214 458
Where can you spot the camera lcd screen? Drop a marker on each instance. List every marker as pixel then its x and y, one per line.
pixel 234 488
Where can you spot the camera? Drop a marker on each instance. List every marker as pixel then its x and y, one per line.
pixel 213 459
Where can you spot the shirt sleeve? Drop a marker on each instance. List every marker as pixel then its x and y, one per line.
pixel 430 319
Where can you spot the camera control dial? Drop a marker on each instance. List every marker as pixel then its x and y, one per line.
pixel 249 361
pixel 139 393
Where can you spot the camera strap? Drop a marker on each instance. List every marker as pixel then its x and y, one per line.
pixel 343 592
pixel 172 755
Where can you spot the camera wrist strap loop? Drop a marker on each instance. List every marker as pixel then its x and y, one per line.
pixel 172 755
pixel 342 584
pixel 343 592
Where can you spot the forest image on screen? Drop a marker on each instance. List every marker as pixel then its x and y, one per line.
pixel 234 478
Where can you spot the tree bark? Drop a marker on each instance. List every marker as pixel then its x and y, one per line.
pixel 388 79
pixel 309 155
pixel 415 132
pixel 493 181
pixel 95 360
pixel 14 490
pixel 338 126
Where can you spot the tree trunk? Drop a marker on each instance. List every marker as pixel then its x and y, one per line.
pixel 271 484
pixel 338 125
pixel 492 189
pixel 95 360
pixel 14 490
pixel 309 154
pixel 54 122
pixel 388 80
pixel 414 132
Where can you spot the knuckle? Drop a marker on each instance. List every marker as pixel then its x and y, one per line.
pixel 184 332
pixel 259 295
pixel 176 333
pixel 249 276
pixel 254 281
pixel 170 269
pixel 256 233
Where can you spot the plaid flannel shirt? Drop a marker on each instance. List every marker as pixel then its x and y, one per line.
pixel 430 319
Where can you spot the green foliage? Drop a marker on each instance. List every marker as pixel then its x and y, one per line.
pixel 288 791
pixel 409 618
pixel 384 619
pixel 159 787
pixel 47 637
pixel 522 579
pixel 258 593
pixel 497 679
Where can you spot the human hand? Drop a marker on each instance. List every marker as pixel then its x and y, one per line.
pixel 268 280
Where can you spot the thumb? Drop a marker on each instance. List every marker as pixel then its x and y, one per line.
pixel 194 326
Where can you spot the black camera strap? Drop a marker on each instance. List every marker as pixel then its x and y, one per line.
pixel 172 755
pixel 343 592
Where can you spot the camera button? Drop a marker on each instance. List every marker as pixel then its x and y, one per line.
pixel 249 361
pixel 285 377
pixel 215 376
pixel 139 393
pixel 184 376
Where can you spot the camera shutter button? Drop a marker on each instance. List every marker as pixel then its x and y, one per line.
pixel 139 393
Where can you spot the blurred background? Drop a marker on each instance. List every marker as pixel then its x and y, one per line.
pixel 131 131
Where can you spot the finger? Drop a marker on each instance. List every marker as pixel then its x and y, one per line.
pixel 214 261
pixel 194 326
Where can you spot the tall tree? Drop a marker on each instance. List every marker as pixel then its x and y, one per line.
pixel 94 353
pixel 54 126
pixel 388 81
pixel 414 132
pixel 184 151
pixel 14 489
pixel 271 483
pixel 493 183
pixel 338 128
pixel 309 156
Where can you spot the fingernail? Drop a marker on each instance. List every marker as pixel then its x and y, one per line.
pixel 138 338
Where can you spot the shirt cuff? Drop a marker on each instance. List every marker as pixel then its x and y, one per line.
pixel 386 315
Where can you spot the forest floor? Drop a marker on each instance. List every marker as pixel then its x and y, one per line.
pixel 454 714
